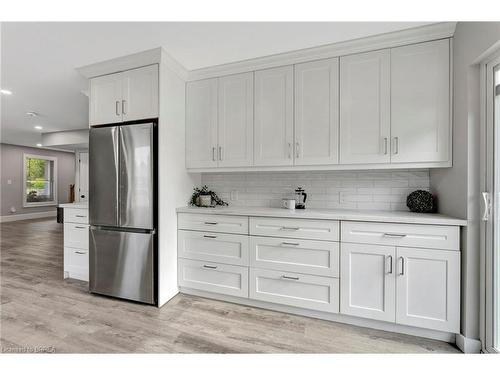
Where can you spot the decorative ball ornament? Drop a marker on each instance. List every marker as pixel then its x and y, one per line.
pixel 421 201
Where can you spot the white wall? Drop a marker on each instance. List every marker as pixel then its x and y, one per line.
pixel 368 190
pixel 458 187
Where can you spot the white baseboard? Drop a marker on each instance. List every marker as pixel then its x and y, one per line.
pixel 467 345
pixel 34 215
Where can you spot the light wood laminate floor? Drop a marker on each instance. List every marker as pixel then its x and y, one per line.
pixel 39 308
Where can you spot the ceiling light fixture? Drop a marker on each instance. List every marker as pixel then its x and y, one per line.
pixel 38 145
pixel 38 127
pixel 5 92
pixel 32 114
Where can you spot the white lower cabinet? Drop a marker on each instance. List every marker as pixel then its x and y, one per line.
pixel 76 244
pixel 295 289
pixel 367 281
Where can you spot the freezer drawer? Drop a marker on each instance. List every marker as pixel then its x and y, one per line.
pixel 122 264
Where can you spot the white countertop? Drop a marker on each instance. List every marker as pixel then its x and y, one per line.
pixel 352 215
pixel 75 205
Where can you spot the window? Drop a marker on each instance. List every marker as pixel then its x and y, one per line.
pixel 40 180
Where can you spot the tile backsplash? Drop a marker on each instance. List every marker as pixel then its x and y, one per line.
pixel 375 190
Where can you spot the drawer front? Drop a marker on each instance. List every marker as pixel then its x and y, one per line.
pixel 213 277
pixel 76 235
pixel 410 235
pixel 303 256
pixel 211 247
pixel 295 289
pixel 76 215
pixel 213 223
pixel 295 228
pixel 76 263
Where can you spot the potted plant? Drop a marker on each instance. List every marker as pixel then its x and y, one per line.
pixel 205 198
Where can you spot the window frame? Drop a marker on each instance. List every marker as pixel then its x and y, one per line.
pixel 53 202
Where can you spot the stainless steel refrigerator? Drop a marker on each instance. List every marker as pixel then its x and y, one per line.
pixel 122 211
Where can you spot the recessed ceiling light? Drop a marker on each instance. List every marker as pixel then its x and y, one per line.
pixel 38 127
pixel 32 114
pixel 38 145
pixel 5 92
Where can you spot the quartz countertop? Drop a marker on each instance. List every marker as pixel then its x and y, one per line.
pixel 75 205
pixel 351 215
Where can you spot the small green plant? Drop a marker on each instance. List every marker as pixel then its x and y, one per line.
pixel 194 201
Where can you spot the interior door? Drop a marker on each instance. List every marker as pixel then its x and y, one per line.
pixel 105 99
pixel 274 117
pixel 428 288
pixel 201 124
pixel 365 108
pixel 140 93
pixel 420 102
pixel 235 116
pixel 103 176
pixel 317 112
pixel 136 191
pixel 367 287
pixel 83 177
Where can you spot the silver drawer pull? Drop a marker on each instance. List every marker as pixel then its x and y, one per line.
pixel 81 252
pixel 289 277
pixel 394 235
pixel 209 267
pixel 210 222
pixel 79 227
pixel 289 228
pixel 207 236
pixel 80 216
pixel 402 269
pixel 290 243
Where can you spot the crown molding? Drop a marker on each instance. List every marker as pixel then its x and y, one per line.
pixel 393 39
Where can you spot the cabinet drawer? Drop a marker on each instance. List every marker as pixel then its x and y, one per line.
pixel 222 248
pixel 76 263
pixel 410 235
pixel 295 228
pixel 305 256
pixel 295 289
pixel 76 215
pixel 214 277
pixel 76 235
pixel 213 223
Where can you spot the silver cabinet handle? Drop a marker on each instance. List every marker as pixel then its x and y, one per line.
pixel 390 264
pixel 81 252
pixel 394 235
pixel 289 277
pixel 80 227
pixel 396 145
pixel 209 267
pixel 487 206
pixel 289 150
pixel 289 228
pixel 402 268
pixel 80 215
pixel 207 236
pixel 124 103
pixel 385 145
pixel 220 152
pixel 297 150
pixel 291 243
pixel 214 157
pixel 210 223
pixel 117 108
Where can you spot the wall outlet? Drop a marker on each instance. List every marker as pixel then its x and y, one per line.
pixel 233 195
pixel 9 182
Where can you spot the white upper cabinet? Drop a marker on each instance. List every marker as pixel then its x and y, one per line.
pixel 365 124
pixel 420 102
pixel 105 99
pixel 273 139
pixel 140 93
pixel 125 96
pixel 235 115
pixel 316 112
pixel 201 124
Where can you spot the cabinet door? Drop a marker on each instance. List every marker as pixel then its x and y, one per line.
pixel 365 123
pixel 201 124
pixel 367 281
pixel 140 93
pixel 274 117
pixel 420 102
pixel 316 112
pixel 105 99
pixel 235 133
pixel 428 289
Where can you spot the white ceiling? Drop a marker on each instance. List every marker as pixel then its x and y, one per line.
pixel 39 59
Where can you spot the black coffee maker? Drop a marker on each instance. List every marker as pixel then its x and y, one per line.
pixel 300 198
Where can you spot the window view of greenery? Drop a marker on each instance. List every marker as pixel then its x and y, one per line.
pixel 39 180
